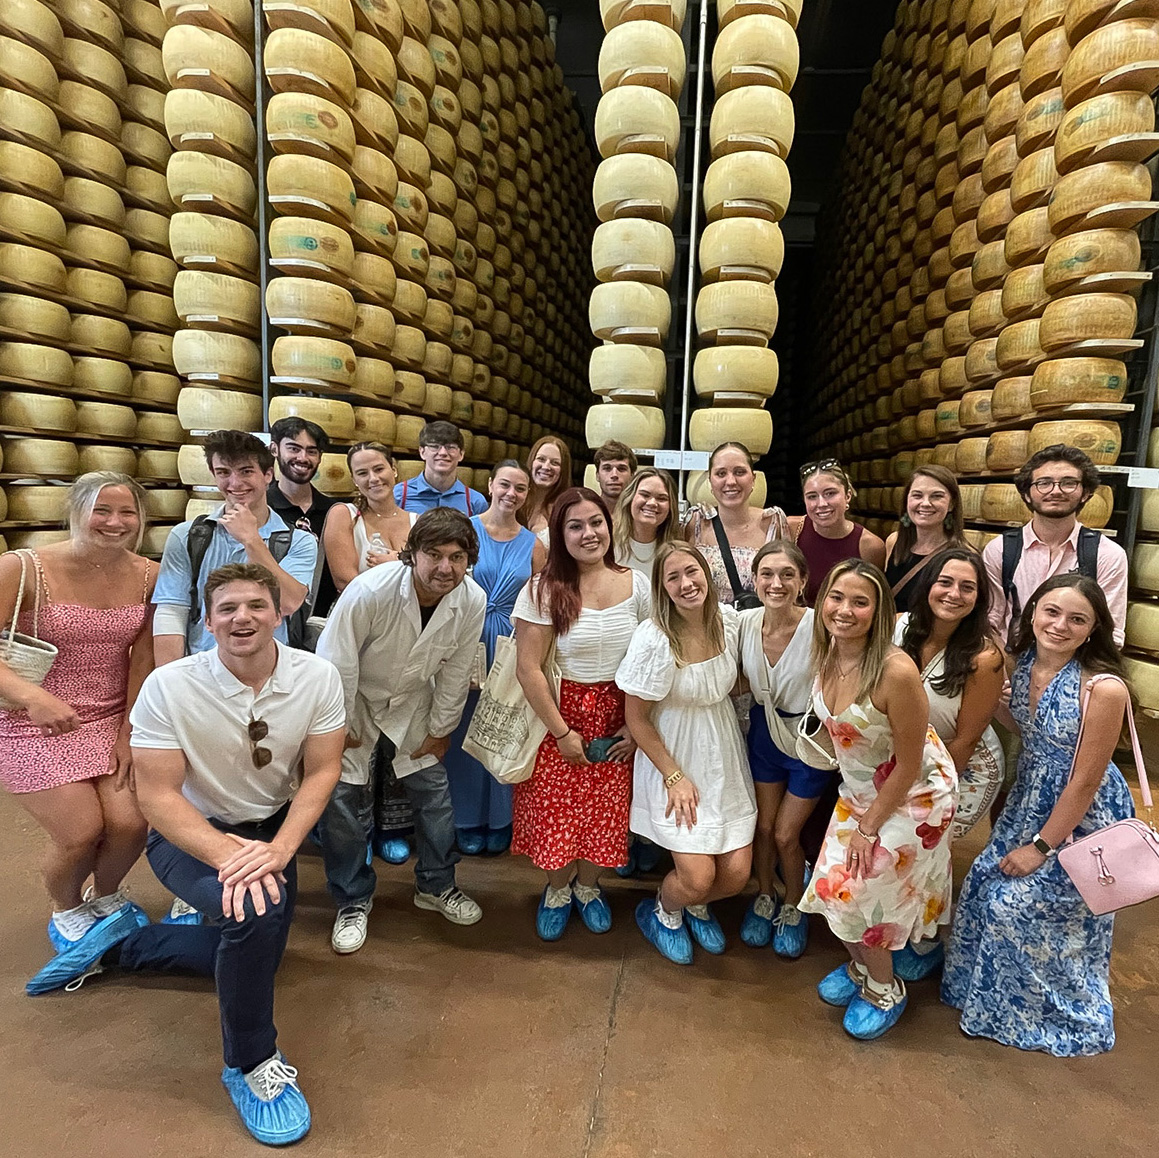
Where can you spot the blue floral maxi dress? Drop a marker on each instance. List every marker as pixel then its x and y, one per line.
pixel 1028 961
pixel 480 801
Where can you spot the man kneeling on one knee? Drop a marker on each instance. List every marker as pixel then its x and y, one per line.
pixel 403 636
pixel 236 751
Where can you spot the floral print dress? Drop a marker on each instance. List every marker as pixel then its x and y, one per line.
pixel 906 894
pixel 1028 962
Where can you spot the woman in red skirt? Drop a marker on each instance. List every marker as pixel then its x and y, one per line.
pixel 571 817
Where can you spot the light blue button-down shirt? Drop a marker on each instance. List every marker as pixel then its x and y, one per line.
pixel 416 494
pixel 173 580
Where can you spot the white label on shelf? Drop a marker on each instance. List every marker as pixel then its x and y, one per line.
pixel 1144 477
pixel 689 460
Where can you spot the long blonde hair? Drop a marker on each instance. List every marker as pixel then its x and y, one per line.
pixel 878 643
pixel 664 613
pixel 667 532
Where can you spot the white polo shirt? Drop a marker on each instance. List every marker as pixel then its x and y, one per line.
pixel 198 706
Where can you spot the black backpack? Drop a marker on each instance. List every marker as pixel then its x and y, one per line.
pixel 1088 565
pixel 200 535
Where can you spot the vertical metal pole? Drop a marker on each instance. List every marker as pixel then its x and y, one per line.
pixel 693 227
pixel 260 95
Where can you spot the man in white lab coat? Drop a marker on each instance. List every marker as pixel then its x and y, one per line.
pixel 403 637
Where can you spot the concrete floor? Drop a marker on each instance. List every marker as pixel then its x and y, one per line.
pixel 440 1042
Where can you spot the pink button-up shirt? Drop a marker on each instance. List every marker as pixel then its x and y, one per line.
pixel 1040 562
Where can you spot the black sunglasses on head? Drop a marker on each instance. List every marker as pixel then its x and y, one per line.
pixel 822 464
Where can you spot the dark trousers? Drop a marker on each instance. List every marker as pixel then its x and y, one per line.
pixel 241 956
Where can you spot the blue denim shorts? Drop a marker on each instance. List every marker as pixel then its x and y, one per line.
pixel 771 766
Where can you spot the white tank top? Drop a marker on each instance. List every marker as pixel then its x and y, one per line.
pixel 783 689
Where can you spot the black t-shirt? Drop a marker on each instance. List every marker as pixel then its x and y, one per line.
pixel 293 516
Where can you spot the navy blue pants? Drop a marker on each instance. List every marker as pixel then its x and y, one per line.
pixel 241 956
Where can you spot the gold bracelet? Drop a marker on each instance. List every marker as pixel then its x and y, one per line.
pixel 673 778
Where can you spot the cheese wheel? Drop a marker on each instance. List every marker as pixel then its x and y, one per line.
pixel 102 376
pixel 1011 398
pixel 1063 381
pixel 1100 440
pixel 101 335
pixel 946 420
pixel 333 477
pixel 374 376
pixel 36 25
pixel 1083 317
pixel 25 266
pixel 1090 187
pixel 34 317
pixel 335 417
pixel 164 504
pixel 318 358
pixel 102 246
pixel 374 277
pixel 28 118
pixel 213 409
pixel 971 496
pixel 1098 509
pixel 208 241
pixel 736 375
pixel 147 229
pixel 374 226
pixel 407 428
pixel 192 468
pixel 312 246
pixel 304 122
pixel 1145 573
pixel 1100 123
pixel 146 104
pixel 160 464
pixel 32 171
pixel 409 349
pixel 1142 630
pixel 637 120
pixel 306 305
pixel 970 456
pixel 301 61
pixel 744 247
pixel 737 311
pixel 975 408
pixel 154 386
pixel 31 220
pixel 37 411
pixel 199 179
pixel 630 312
pixel 310 187
pixel 757 49
pixel 374 425
pixel 35 363
pixel 105 418
pixel 37 504
pixel 1028 236
pixel 153 350
pixel 629 370
pixel 156 426
pixel 153 309
pixel 752 117
pixel 1001 503
pixel 210 123
pixel 1019 345
pixel 122 459
pixel 203 298
pixel 1006 451
pixel 1024 292
pixel 1103 59
pixel 1087 253
pixel 195 57
pixel 747 184
pixel 708 428
pixel 152 269
pixel 205 356
pixel 374 65
pixel 635 185
pixel 374 326
pixel 645 53
pixel 637 426
pixel 27 69
pixel 33 457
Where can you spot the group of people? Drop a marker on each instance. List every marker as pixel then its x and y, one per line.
pixel 756 695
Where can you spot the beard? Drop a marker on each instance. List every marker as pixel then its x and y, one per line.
pixel 295 472
pixel 1057 512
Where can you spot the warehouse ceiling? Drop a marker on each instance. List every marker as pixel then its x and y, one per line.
pixel 840 43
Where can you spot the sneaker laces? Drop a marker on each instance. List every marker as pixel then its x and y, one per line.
pixel 884 1001
pixel 789 915
pixel 350 916
pixel 454 898
pixel 557 898
pixel 105 906
pixel 764 907
pixel 699 912
pixel 585 894
pixel 270 1078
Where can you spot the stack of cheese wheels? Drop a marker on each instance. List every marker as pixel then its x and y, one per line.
pixel 633 252
pixel 982 256
pixel 746 192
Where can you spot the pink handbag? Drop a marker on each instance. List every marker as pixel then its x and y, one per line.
pixel 1117 866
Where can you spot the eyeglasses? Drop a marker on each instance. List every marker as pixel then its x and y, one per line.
pixel 823 464
pixel 258 730
pixel 1068 486
pixel 449 447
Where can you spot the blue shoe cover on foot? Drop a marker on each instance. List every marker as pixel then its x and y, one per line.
pixel 498 840
pixel 838 988
pixel 81 955
pixel 675 944
pixel 392 849
pixel 865 1021
pixel 277 1122
pixel 550 923
pixel 913 966
pixel 756 930
pixel 596 915
pixel 471 841
pixel 706 933
pixel 629 869
pixel 789 941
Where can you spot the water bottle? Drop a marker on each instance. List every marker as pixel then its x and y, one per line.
pixel 376 545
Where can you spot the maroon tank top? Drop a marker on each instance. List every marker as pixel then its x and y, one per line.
pixel 824 554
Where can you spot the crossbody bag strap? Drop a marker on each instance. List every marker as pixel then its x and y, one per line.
pixel 1140 769
pixel 726 557
pixel 922 561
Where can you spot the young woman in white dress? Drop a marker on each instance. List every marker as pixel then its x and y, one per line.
pixel 645 517
pixel 776 645
pixel 691 790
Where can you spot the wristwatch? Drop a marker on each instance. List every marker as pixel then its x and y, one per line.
pixel 1041 845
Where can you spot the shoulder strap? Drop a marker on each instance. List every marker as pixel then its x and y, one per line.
pixel 279 544
pixel 22 556
pixel 1140 770
pixel 405 485
pixel 922 561
pixel 148 574
pixel 727 559
pixel 197 544
pixel 1011 553
pixel 1088 552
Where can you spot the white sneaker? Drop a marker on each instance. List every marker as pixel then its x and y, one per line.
pixel 349 932
pixel 454 904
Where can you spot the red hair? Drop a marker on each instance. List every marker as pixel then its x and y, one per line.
pixel 557 591
pixel 541 498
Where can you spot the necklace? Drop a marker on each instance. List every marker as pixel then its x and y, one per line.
pixel 844 674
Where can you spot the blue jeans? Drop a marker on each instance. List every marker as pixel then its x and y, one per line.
pixel 241 956
pixel 344 831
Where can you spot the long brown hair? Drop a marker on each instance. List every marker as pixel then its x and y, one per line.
pixel 664 613
pixel 541 499
pixel 952 524
pixel 557 590
pixel 360 500
pixel 667 532
pixel 880 638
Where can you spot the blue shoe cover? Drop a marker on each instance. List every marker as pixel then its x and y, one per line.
pixel 912 966
pixel 629 869
pixel 550 923
pixel 706 933
pixel 392 849
pixel 647 856
pixel 675 944
pixel 789 941
pixel 756 930
pixel 498 840
pixel 838 988
pixel 58 940
pixel 596 915
pixel 471 841
pixel 80 955
pixel 865 1021
pixel 283 1119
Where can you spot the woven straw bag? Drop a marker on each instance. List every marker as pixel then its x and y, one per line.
pixel 28 656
